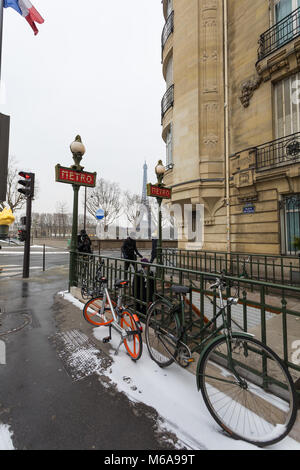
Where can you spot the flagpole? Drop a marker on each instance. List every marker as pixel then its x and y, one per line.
pixel 1 34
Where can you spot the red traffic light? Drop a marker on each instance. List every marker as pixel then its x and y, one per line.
pixel 28 182
pixel 27 176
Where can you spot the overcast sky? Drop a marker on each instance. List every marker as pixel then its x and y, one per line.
pixel 95 70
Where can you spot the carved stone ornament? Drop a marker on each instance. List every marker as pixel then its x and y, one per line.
pixel 247 90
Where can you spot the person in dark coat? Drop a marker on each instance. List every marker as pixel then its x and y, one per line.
pixel 144 288
pixel 130 252
pixel 84 244
pixel 154 247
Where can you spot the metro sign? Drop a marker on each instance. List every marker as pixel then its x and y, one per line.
pixel 154 190
pixel 71 176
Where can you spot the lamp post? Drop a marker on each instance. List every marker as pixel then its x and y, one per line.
pixel 78 150
pixel 160 173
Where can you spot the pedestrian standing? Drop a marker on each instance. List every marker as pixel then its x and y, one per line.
pixel 154 247
pixel 130 252
pixel 84 244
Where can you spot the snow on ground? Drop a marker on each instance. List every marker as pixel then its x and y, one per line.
pixel 173 393
pixel 5 438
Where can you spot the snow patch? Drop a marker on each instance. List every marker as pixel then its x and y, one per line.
pixel 172 392
pixel 5 438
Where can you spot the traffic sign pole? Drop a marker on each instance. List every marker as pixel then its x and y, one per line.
pixel 26 260
pixel 73 247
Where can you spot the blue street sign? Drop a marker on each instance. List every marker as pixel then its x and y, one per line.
pixel 100 214
pixel 249 209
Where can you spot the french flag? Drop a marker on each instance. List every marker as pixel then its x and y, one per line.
pixel 27 10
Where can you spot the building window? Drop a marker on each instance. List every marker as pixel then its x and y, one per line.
pixel 284 7
pixel 290 223
pixel 286 30
pixel 169 73
pixel 287 106
pixel 169 147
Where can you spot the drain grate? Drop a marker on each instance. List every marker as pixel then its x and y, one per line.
pixel 78 354
pixel 11 322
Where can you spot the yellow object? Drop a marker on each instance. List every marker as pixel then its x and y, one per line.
pixel 6 217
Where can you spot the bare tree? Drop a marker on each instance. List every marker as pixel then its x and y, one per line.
pixel 62 218
pixel 132 208
pixel 14 199
pixel 105 196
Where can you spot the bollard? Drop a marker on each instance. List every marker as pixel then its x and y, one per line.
pixel 44 257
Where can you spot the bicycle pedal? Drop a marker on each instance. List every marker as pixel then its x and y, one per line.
pixel 106 340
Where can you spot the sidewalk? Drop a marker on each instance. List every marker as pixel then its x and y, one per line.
pixel 295 433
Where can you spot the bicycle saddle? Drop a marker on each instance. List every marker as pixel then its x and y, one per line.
pixel 121 284
pixel 180 289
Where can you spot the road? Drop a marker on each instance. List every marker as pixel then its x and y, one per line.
pixel 11 259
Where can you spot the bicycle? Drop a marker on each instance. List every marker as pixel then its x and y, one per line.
pixel 103 311
pixel 246 387
pixel 96 290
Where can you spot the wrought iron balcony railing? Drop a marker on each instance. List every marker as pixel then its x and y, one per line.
pixel 280 34
pixel 168 29
pixel 280 152
pixel 168 101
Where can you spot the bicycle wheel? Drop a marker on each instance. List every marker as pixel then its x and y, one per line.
pixel 85 293
pixel 92 312
pixel 263 407
pixel 132 343
pixel 162 333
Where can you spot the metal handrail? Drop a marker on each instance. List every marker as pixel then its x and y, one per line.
pixel 278 269
pixel 280 152
pixel 167 101
pixel 253 311
pixel 280 34
pixel 168 29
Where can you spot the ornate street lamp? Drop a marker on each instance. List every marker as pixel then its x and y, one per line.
pixel 160 171
pixel 78 150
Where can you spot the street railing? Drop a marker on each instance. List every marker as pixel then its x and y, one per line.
pixel 279 152
pixel 168 101
pixel 168 29
pixel 273 319
pixel 284 270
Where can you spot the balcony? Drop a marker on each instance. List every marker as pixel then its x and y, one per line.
pixel 278 153
pixel 168 30
pixel 280 34
pixel 168 101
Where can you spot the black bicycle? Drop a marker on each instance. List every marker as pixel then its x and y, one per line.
pixel 95 289
pixel 245 385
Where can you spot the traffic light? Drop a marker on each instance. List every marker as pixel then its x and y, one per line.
pixel 22 235
pixel 23 220
pixel 28 183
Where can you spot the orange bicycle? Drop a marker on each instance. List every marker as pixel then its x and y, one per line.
pixel 103 311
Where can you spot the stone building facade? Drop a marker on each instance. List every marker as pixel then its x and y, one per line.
pixel 231 119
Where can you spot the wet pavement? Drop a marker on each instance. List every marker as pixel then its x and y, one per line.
pixel 44 407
